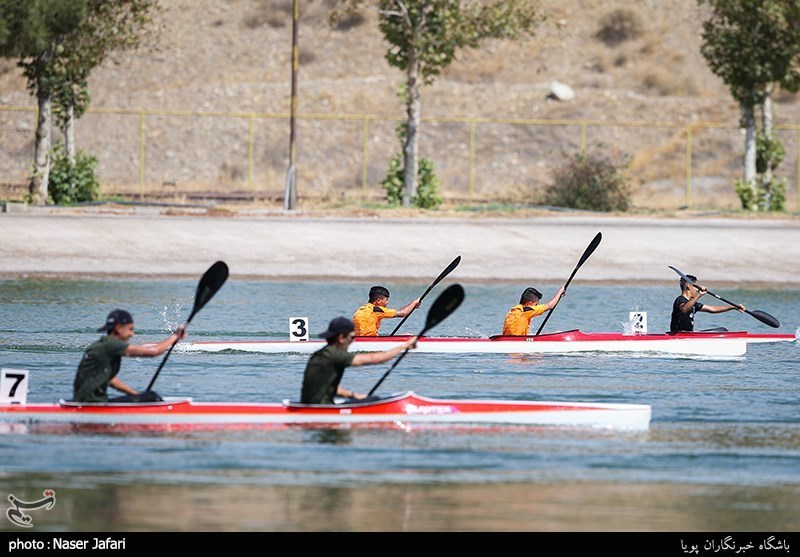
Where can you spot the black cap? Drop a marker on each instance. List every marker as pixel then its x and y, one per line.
pixel 337 326
pixel 116 317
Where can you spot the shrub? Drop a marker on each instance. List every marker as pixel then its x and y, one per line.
pixel 620 25
pixel 770 152
pixel 427 184
pixel 72 183
pixel 589 182
pixel 767 196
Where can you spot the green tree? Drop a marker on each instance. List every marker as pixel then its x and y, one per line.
pixel 35 33
pixel 57 44
pixel 424 37
pixel 753 45
pixel 109 28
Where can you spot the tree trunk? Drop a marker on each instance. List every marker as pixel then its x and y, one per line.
pixel 69 135
pixel 766 125
pixel 411 148
pixel 41 158
pixel 750 148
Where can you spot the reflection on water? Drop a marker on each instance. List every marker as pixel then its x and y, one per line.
pixel 135 503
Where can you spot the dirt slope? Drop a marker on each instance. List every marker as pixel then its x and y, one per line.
pixel 233 56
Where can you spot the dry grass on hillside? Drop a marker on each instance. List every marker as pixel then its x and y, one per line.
pixel 635 66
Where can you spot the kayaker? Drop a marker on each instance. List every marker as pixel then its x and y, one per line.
pixel 367 318
pixel 687 304
pixel 518 319
pixel 326 366
pixel 101 361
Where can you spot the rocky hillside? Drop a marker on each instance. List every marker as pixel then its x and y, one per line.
pixel 215 95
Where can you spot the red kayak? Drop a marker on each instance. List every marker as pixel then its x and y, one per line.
pixel 406 407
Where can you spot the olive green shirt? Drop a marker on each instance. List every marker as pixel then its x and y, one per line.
pixel 99 365
pixel 323 373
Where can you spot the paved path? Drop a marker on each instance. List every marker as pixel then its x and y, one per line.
pixel 633 249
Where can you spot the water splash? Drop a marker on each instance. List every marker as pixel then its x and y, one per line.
pixel 172 316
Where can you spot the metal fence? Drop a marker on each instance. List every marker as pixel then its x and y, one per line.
pixel 341 157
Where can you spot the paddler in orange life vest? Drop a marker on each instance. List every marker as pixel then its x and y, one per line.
pixel 368 317
pixel 518 319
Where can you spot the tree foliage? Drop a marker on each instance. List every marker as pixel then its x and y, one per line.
pixel 754 46
pixel 57 44
pixel 424 38
pixel 108 29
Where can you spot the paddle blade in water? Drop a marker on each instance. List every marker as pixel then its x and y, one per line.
pixel 445 304
pixel 211 282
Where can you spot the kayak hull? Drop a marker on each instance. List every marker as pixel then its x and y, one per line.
pixel 405 407
pixel 710 344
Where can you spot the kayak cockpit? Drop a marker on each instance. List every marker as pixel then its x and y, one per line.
pixel 340 402
pixel 168 401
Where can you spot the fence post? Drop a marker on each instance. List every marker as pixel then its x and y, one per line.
pixel 583 138
pixel 141 154
pixel 250 141
pixel 471 189
pixel 364 133
pixel 688 194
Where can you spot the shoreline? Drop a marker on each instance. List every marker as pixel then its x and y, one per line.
pixel 154 243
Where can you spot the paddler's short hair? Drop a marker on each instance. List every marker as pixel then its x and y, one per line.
pixel 530 295
pixel 683 280
pixel 378 292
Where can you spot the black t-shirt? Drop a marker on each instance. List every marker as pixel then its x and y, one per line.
pixel 683 321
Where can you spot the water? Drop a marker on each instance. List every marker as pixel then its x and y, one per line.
pixel 722 452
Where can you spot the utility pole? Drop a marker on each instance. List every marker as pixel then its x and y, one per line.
pixel 290 195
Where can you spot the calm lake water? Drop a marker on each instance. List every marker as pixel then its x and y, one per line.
pixel 722 452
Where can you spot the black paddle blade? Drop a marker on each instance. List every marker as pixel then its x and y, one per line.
pixel 211 282
pixel 765 318
pixel 447 271
pixel 453 265
pixel 590 249
pixel 586 254
pixel 684 277
pixel 445 304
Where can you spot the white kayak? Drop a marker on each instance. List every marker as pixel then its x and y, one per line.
pixel 721 344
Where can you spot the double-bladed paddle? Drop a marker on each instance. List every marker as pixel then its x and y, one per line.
pixel 447 271
pixel 445 304
pixel 586 253
pixel 212 280
pixel 762 316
